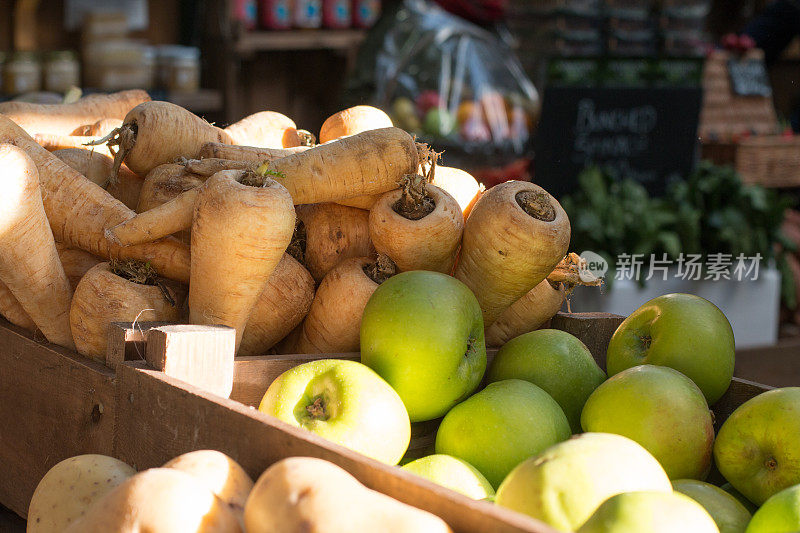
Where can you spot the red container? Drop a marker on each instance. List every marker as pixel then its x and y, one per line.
pixel 365 13
pixel 308 13
pixel 275 14
pixel 244 11
pixel 336 13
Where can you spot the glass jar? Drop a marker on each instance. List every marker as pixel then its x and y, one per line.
pixel 184 70
pixel 61 71
pixel 22 73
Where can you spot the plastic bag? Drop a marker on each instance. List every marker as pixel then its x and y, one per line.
pixel 455 85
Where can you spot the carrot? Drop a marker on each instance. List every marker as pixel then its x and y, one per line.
pixel 418 227
pixel 371 162
pixel 120 291
pixel 333 233
pixel 165 183
pixel 242 225
pixel 62 119
pixel 460 185
pixel 97 168
pixel 333 324
pixel 249 154
pixel 542 302
pixel 78 211
pixel 514 237
pixel 212 165
pixel 75 262
pixel 353 120
pixel 367 163
pixel 154 133
pixel 29 264
pixel 267 129
pixel 101 127
pixel 283 304
pixel 52 142
pixel 11 310
pixel 361 202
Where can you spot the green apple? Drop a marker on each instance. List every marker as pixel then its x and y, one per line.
pixel 423 333
pixel 681 331
pixel 557 362
pixel 453 473
pixel 750 506
pixel 499 427
pixel 650 512
pixel 566 483
pixel 344 402
pixel 662 410
pixel 728 512
pixel 758 446
pixel 779 514
pixel 438 122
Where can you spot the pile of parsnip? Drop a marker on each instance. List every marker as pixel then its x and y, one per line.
pixel 103 200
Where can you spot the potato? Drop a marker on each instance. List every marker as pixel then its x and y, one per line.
pixel 306 494
pixel 219 473
pixel 159 500
pixel 69 488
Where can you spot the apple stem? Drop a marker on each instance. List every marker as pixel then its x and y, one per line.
pixel 317 409
pixel 536 204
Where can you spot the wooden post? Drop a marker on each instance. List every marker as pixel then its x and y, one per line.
pixel 593 329
pixel 200 355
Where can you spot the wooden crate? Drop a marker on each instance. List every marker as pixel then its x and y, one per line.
pixel 54 404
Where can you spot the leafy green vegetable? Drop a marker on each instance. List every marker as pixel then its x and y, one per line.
pixel 710 211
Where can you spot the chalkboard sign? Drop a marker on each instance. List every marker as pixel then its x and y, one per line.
pixel 749 77
pixel 647 134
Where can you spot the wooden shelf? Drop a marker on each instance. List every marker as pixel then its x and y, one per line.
pixel 299 40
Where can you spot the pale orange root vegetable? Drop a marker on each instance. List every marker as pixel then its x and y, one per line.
pixel 514 237
pixel 542 302
pixel 154 133
pixel 361 202
pixel 333 323
pixel 165 183
pixel 101 127
pixel 333 232
pixel 52 142
pixel 62 119
pixel 170 218
pixel 528 313
pixel 242 225
pixel 212 165
pixel 248 154
pixel 11 310
pixel 75 262
pixel 282 306
pixel 353 120
pixel 163 208
pixel 127 291
pixel 267 129
pixel 460 184
pixel 78 211
pixel 97 168
pixel 29 264
pixel 418 227
pixel 367 163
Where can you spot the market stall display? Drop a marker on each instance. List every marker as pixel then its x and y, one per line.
pixel 412 384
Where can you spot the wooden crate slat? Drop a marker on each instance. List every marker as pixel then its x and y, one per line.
pixel 53 405
pixel 159 417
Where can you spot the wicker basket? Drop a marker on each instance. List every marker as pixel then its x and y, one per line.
pixel 770 160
